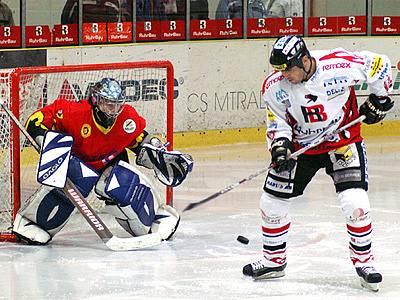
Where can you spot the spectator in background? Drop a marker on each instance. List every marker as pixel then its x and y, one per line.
pixel 150 10
pixel 175 9
pixel 97 11
pixel 199 10
pixel 160 9
pixel 232 9
pixel 284 8
pixel 229 9
pixel 6 17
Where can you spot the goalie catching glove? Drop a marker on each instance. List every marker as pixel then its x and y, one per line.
pixel 375 108
pixel 170 167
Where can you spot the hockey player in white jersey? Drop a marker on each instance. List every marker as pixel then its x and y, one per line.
pixel 309 95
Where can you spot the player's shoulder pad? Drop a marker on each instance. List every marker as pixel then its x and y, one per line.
pixel 273 79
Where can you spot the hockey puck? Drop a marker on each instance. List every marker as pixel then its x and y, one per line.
pixel 242 239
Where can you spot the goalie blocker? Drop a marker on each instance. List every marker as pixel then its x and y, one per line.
pixel 130 196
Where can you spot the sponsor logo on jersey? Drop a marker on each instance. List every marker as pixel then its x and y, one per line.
pixel 270 81
pixel 271 120
pixel 336 84
pixel 308 131
pixel 282 97
pixel 129 126
pixel 376 66
pixel 332 93
pixel 336 66
pixel 59 114
pixel 86 130
pixel 339 80
pixel 270 115
pixel 384 72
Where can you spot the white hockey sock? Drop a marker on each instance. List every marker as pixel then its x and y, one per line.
pixel 274 242
pixel 356 208
pixel 360 244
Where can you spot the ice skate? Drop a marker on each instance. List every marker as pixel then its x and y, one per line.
pixel 369 277
pixel 263 269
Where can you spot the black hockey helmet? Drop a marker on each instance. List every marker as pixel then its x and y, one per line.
pixel 287 53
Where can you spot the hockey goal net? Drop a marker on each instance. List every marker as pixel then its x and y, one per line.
pixel 149 88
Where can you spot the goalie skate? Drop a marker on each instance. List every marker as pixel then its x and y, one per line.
pixel 369 278
pixel 262 269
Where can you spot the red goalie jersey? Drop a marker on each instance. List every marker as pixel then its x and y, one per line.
pixel 94 144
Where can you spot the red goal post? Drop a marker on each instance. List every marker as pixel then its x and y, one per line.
pixel 149 88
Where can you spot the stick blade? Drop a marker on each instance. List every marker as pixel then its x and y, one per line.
pixel 189 207
pixel 134 243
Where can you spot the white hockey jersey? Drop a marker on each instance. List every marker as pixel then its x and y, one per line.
pixel 306 111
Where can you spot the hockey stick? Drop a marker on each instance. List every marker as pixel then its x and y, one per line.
pixel 259 172
pixel 73 194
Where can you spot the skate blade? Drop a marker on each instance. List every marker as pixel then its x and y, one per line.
pixel 370 286
pixel 270 275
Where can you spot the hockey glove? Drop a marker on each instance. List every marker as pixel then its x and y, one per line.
pixel 170 167
pixel 375 108
pixel 280 151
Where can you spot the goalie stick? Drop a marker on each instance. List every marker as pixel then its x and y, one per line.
pixel 263 170
pixel 73 194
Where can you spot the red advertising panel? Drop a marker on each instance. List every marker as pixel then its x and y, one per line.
pixel 385 25
pixel 94 33
pixel 119 32
pixel 260 27
pixel 173 30
pixel 214 29
pixel 322 26
pixel 65 34
pixel 293 26
pixel 274 27
pixel 38 35
pixel 352 25
pixel 148 31
pixel 10 36
pixel 202 29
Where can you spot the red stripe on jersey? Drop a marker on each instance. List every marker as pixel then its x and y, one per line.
pixel 276 230
pixel 343 55
pixel 359 229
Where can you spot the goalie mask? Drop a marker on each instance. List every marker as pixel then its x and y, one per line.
pixel 107 97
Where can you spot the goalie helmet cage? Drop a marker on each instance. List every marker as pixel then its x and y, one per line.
pixel 149 88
